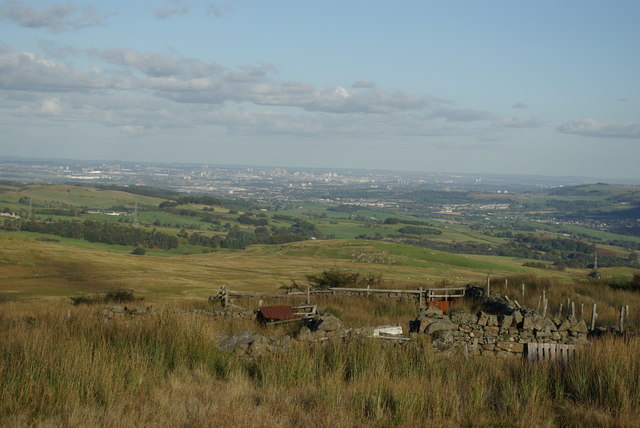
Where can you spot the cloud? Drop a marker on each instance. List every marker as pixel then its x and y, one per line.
pixel 462 115
pixel 165 12
pixel 512 122
pixel 519 105
pixel 51 107
pixel 593 128
pixel 139 93
pixel 363 84
pixel 56 19
pixel 29 72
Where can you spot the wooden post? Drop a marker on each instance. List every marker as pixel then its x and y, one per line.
pixel 368 288
pixel 539 306
pixel 523 291
pixel 621 318
pixel 594 315
pixel 488 285
pixel 421 299
pixel 560 311
pixel 573 309
pixel 308 295
pixel 506 285
pixel 544 306
pixel 581 311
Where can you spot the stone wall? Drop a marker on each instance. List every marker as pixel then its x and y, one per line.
pixel 502 334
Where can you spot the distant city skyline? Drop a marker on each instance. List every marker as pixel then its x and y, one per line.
pixel 535 88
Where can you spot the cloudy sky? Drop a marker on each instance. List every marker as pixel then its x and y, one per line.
pixel 532 87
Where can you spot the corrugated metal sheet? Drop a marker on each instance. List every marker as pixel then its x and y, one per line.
pixel 277 313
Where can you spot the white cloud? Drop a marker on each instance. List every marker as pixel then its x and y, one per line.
pixel 56 19
pixel 51 107
pixel 593 128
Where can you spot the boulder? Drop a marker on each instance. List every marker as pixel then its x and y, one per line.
pixel 231 343
pixel 439 325
pixel 442 340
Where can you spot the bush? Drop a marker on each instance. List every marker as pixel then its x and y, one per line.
pixel 139 251
pixel 120 296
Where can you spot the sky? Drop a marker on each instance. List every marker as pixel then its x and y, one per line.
pixel 515 87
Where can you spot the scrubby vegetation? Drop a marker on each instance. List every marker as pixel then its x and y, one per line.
pixel 164 369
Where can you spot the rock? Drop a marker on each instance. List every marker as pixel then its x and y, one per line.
pixel 464 318
pixel 483 318
pixel 433 312
pixel 564 325
pixel 328 323
pixel 507 320
pixel 245 337
pixel 492 321
pixel 517 317
pixel 579 327
pixel 527 323
pixel 491 331
pixel 442 340
pixel 304 334
pixel 439 325
pixel 510 346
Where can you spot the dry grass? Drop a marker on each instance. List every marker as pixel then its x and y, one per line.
pixel 163 369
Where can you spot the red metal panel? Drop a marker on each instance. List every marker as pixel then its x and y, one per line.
pixel 443 305
pixel 279 313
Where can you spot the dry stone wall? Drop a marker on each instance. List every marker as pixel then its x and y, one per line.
pixel 504 333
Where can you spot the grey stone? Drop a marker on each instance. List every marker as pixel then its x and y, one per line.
pixel 433 312
pixel 245 337
pixel 440 325
pixel 464 318
pixel 483 318
pixel 442 340
pixel 507 320
pixel 492 321
pixel 517 317
pixel 579 327
pixel 329 323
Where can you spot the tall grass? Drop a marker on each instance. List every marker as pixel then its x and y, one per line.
pixel 164 369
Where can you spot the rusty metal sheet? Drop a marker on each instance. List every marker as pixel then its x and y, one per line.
pixel 278 313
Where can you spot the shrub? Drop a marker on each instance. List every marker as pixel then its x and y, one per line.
pixel 139 251
pixel 120 296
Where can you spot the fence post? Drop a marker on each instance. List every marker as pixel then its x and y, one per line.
pixel 544 305
pixel 560 311
pixel 621 318
pixel 308 295
pixel 421 299
pixel 488 285
pixel 582 311
pixel 573 309
pixel 594 315
pixel 523 291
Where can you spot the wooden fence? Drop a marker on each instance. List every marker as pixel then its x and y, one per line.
pixel 423 294
pixel 550 352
